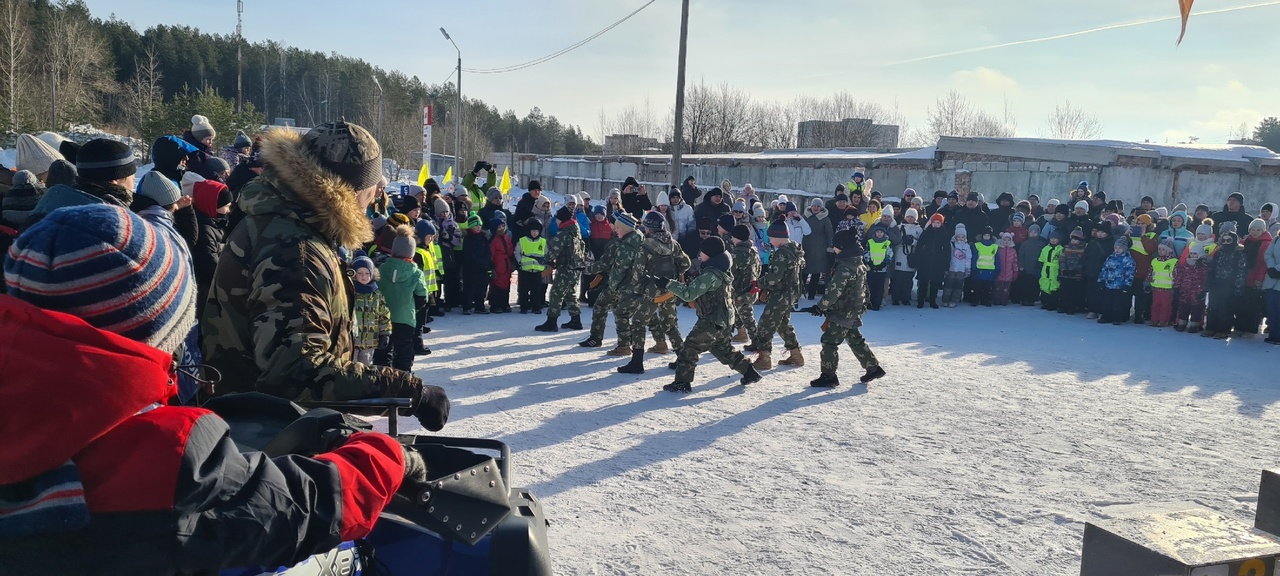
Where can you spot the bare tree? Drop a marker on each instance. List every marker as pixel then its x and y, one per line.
pixel 730 119
pixel 1068 122
pixel 76 58
pixel 14 55
pixel 143 95
pixel 954 115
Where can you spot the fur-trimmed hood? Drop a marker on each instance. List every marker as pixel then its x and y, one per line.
pixel 294 185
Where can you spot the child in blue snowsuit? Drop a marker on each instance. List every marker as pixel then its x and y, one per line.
pixel 1117 279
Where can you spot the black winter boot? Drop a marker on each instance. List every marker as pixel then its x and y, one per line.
pixel 684 387
pixel 591 342
pixel 636 366
pixel 420 348
pixel 750 376
pixel 825 381
pixel 574 323
pixel 872 373
pixel 549 325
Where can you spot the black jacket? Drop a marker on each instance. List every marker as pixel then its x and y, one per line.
pixel 933 254
pixel 213 233
pixel 691 194
pixel 636 204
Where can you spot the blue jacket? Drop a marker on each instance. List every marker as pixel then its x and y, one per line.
pixel 984 275
pixel 1117 271
pixel 584 223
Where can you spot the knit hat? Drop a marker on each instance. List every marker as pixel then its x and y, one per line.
pixel 159 188
pixel 564 214
pixel 1227 226
pixel 494 194
pixel 363 261
pixel 972 197
pixel 675 193
pixel 598 209
pixel 739 206
pixel 1114 219
pixel 533 225
pixel 631 181
pixel 398 219
pixel 953 194
pixel 625 219
pixel 1258 224
pixel 842 196
pixel 742 232
pixel 1062 209
pixel 616 194
pixel 473 221
pixel 1143 219
pixel 495 224
pixel 1052 203
pixel 858 175
pixel 61 172
pixel 242 140
pixel 103 160
pixel 206 195
pixel 378 222
pixel 21 199
pixel 757 211
pixel 217 165
pixel 1162 212
pixel 1082 205
pixel 712 246
pixel 1019 217
pixel 987 231
pixel 911 213
pixel 654 221
pixel 1201 208
pixel 348 151
pixel 706 224
pixel 441 206
pixel 424 228
pixel 789 207
pixel 34 155
pixel 1122 242
pixel 779 230
pixel 815 203
pixel 409 204
pixel 1148 200
pixel 961 231
pixel 403 245
pixel 201 128
pixel 663 199
pixel 937 216
pixel 845 240
pixel 1167 243
pixel 108 267
pixel 1238 197
pixel 887 211
pixel 726 221
pixel 1228 237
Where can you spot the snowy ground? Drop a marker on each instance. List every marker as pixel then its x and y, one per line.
pixel 997 433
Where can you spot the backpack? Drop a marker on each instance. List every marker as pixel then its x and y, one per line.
pixel 663 265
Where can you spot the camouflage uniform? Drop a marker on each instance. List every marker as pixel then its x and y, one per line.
pixel 279 315
pixel 628 282
pixel 746 271
pixel 711 332
pixel 782 283
pixel 568 255
pixel 662 256
pixel 608 297
pixel 844 302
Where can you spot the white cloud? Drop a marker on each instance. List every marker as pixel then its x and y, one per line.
pixel 1237 87
pixel 983 80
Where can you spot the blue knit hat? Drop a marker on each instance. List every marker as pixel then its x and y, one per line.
pixel 109 267
pixel 779 230
pixel 726 221
pixel 625 219
pixel 424 228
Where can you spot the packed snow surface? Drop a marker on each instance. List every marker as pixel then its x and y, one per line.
pixel 995 436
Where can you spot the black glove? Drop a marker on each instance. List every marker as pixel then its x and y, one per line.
pixel 1273 273
pixel 660 282
pixel 480 164
pixel 415 470
pixel 815 310
pixel 430 406
pixel 384 341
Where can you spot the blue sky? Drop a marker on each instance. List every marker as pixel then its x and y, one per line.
pixel 1138 84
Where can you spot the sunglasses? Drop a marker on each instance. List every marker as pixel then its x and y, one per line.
pixel 738 212
pixel 703 233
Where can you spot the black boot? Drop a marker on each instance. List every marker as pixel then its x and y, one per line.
pixel 591 342
pixel 549 325
pixel 750 348
pixel 825 381
pixel 933 303
pixel 574 323
pixel 678 387
pixel 420 348
pixel 750 376
pixel 872 374
pixel 636 365
pixel 919 303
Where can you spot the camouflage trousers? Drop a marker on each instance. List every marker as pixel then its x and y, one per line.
pixel 564 293
pixel 776 319
pixel 706 336
pixel 600 313
pixel 744 312
pixel 831 340
pixel 665 325
pixel 633 311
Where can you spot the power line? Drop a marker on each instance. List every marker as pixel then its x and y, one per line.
pixel 555 55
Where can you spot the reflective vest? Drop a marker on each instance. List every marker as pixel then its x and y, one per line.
pixel 429 279
pixel 435 251
pixel 1137 246
pixel 879 250
pixel 530 250
pixel 1162 273
pixel 986 255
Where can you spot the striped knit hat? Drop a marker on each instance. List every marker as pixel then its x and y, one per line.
pixel 107 266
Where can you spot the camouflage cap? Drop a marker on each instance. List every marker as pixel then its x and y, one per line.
pixel 347 150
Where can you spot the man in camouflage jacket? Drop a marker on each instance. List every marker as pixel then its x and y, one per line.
pixel 628 280
pixel 843 304
pixel 602 269
pixel 279 315
pixel 711 293
pixel 782 284
pixel 567 255
pixel 746 272
pixel 661 256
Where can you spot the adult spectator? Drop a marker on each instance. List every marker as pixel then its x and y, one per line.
pixel 635 201
pixel 817 246
pixel 712 207
pixel 278 319
pixel 689 190
pixel 493 208
pixel 35 156
pixel 1003 214
pixel 950 209
pixel 970 214
pixel 245 171
pixel 524 208
pixel 105 175
pixel 1233 212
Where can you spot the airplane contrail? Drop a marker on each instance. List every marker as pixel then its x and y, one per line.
pixel 1061 36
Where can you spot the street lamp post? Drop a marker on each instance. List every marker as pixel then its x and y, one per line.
pixel 380 98
pixel 457 114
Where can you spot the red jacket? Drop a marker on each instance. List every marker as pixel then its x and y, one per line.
pixel 504 260
pixel 1258 267
pixel 165 487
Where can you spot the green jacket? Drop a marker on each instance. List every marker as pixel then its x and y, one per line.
pixel 783 277
pixel 660 255
pixel 746 268
pixel 711 291
pixel 607 259
pixel 474 192
pixel 846 297
pixel 279 315
pixel 626 277
pixel 566 251
pixel 401 281
pixel 372 319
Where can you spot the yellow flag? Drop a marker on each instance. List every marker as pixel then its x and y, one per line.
pixel 505 185
pixel 424 174
pixel 448 175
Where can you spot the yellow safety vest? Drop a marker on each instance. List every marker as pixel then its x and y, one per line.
pixel 879 250
pixel 1162 273
pixel 986 256
pixel 531 249
pixel 429 279
pixel 435 251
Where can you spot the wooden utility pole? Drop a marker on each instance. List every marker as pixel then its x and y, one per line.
pixel 678 144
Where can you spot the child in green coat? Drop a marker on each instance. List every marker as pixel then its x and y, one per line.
pixel 372 317
pixel 405 292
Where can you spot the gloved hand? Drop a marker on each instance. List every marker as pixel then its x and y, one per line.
pixel 755 288
pixel 815 310
pixel 480 165
pixel 415 471
pixel 430 404
pixel 660 282
pixel 384 340
pixel 488 166
pixel 1273 273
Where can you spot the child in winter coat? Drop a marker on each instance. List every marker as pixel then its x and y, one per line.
pixel 933 259
pixel 1189 278
pixel 427 258
pixel 405 293
pixel 1117 278
pixel 903 255
pixel 531 258
pixel 986 266
pixel 450 241
pixel 1026 289
pixel 960 268
pixel 600 234
pixel 1018 229
pixel 1161 280
pixel 1007 264
pixel 1071 274
pixel 372 320
pixel 477 267
pixel 503 254
pixel 1143 249
pixel 1228 268
pixel 1252 303
pixel 1095 255
pixel 879 258
pixel 1049 273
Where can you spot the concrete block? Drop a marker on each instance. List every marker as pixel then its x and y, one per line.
pixel 1055 166
pixel 948 164
pixel 1188 542
pixel 1017 166
pixel 998 166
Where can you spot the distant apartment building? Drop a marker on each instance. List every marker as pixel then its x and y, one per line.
pixel 629 144
pixel 847 133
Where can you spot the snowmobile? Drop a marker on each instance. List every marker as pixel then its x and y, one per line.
pixel 468 520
